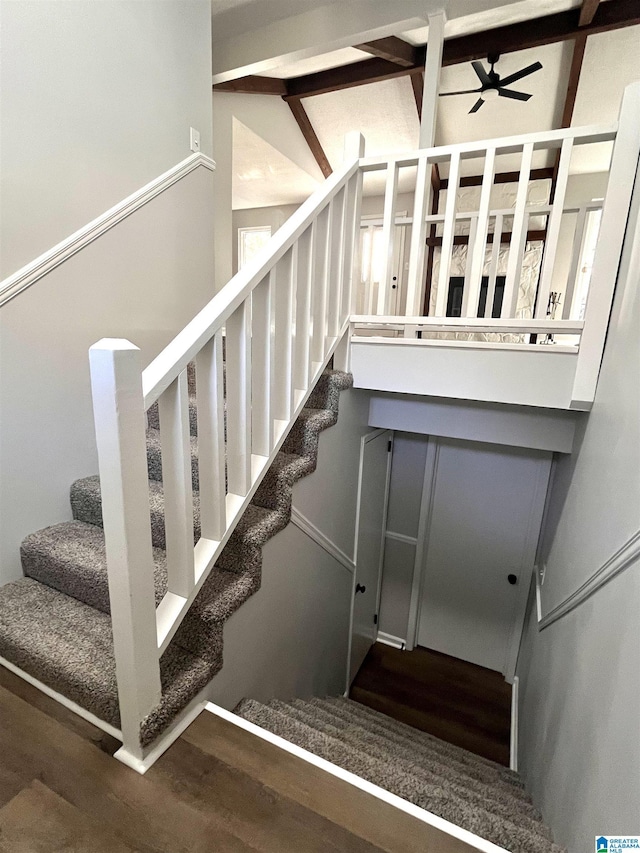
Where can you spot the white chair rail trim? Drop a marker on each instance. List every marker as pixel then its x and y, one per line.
pixel 321 539
pixel 617 563
pixel 37 269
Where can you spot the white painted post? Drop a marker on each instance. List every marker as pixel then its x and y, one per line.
pixel 238 365
pixel 518 237
pixel 553 230
pixel 478 246
pixel 354 148
pixel 447 236
pixel 211 461
pixel 615 213
pixel 118 409
pixel 433 64
pixel 388 237
pixel 177 486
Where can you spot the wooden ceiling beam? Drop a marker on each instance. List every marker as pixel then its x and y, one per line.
pixel 310 137
pixel 587 11
pixel 254 85
pixel 417 84
pixel 392 49
pixel 537 32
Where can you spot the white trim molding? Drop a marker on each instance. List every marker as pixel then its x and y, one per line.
pixel 390 640
pixel 45 263
pixel 401 537
pixel 303 523
pixel 617 563
pixel 358 782
pixel 513 733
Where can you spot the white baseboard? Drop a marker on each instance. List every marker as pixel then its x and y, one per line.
pixel 513 744
pixel 390 640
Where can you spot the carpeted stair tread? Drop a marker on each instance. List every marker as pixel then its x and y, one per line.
pixel 154 457
pixel 429 740
pixel 68 646
pixel 442 763
pixel 457 759
pixel 275 491
pixel 71 558
pixel 493 799
pixel 153 415
pixel 434 798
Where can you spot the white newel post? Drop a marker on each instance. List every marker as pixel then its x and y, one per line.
pixel 354 147
pixel 118 407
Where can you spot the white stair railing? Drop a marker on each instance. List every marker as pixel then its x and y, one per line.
pixel 278 322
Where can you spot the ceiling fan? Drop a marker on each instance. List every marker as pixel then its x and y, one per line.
pixel 492 86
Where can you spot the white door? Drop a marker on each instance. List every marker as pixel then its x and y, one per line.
pixel 375 456
pixel 486 510
pixel 372 254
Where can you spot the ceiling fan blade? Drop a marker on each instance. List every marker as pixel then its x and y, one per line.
pixel 479 68
pixel 524 72
pixel 476 106
pixel 463 92
pixel 509 93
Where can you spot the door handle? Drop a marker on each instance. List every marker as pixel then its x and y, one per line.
pixel 513 579
pixel 360 588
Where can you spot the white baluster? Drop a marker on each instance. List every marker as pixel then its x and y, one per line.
pixel 336 267
pixel 354 148
pixel 282 376
pixel 478 245
pixel 447 236
pixel 576 256
pixel 388 238
pixel 518 237
pixel 302 344
pixel 238 368
pixel 320 257
pixel 176 480
pixel 211 461
pixel 119 417
pixel 553 231
pixel 262 329
pixel 415 288
pixel 493 266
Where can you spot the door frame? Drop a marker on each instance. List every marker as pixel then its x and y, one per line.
pixel 528 559
pixel 364 440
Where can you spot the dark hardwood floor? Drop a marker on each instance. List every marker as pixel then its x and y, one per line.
pixel 457 701
pixel 218 788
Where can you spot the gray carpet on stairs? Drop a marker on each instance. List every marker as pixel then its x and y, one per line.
pixel 472 792
pixel 54 623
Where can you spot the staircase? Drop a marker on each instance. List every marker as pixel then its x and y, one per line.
pixel 55 623
pixel 472 792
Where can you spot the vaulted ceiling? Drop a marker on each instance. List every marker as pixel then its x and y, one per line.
pixel 588 51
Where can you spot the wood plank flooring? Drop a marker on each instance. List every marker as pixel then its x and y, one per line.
pixel 462 703
pixel 217 788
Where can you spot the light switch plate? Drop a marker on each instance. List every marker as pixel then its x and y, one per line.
pixel 194 138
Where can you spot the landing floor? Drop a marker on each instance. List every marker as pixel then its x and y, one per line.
pixel 217 788
pixel 462 703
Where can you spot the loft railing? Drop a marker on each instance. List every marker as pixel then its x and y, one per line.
pixel 262 342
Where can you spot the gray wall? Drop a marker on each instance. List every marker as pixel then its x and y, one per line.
pixel 97 100
pixel 579 694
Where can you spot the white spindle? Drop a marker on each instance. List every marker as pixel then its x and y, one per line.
pixel 336 266
pixel 354 148
pixel 478 240
pixel 320 260
pixel 388 237
pixel 553 230
pixel 447 235
pixel 177 485
pixel 262 366
pixel 301 362
pixel 518 236
pixel 348 248
pixel 119 417
pixel 574 266
pixel 238 368
pixel 282 390
pixel 417 251
pixel 211 461
pixel 493 266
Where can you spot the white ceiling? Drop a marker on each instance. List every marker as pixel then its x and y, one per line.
pixel 386 114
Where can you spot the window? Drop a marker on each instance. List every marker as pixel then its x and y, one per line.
pixel 250 241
